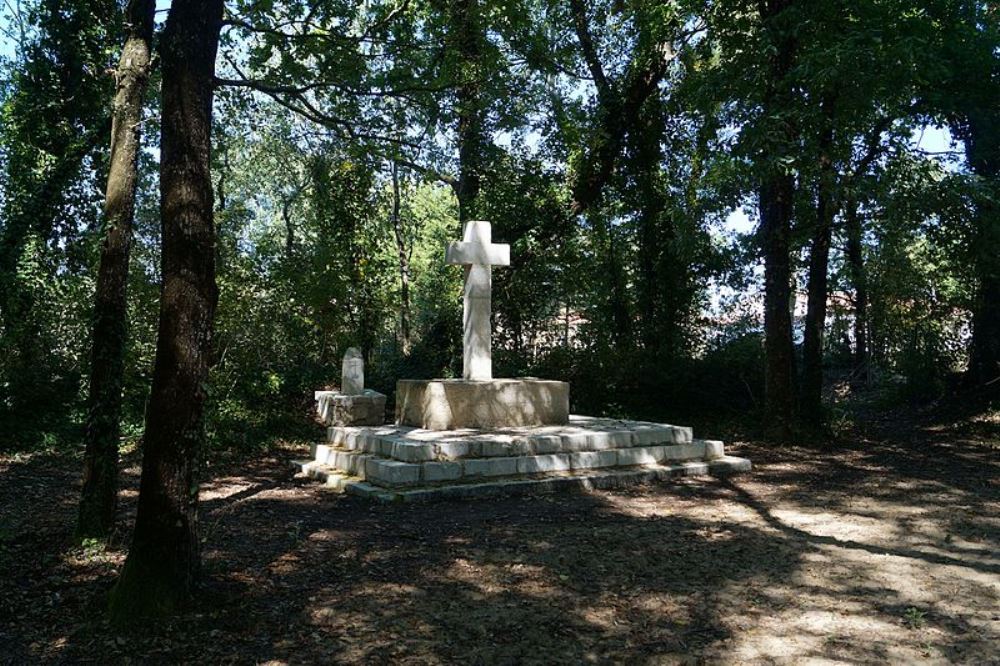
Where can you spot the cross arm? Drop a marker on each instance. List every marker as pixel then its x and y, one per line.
pixel 465 253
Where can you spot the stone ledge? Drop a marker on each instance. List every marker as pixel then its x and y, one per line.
pixel 386 468
pixel 411 444
pixel 556 482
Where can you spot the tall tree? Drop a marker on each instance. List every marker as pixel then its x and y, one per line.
pixel 100 472
pixel 979 127
pixel 811 398
pixel 776 195
pixel 854 231
pixel 403 253
pixel 163 561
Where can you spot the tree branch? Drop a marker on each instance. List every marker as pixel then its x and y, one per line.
pixel 583 36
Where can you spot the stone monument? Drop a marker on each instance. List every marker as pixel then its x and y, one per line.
pixel 477 400
pixel 479 436
pixel 353 405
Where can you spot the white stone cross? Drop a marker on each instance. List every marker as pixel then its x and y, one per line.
pixel 478 253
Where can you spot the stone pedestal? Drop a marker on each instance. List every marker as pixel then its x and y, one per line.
pixel 451 404
pixel 401 463
pixel 338 409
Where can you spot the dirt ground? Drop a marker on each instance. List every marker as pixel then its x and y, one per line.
pixel 878 550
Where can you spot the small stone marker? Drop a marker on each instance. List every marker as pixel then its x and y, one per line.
pixel 352 405
pixel 352 380
pixel 478 254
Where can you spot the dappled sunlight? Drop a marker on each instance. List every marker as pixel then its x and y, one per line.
pixel 805 560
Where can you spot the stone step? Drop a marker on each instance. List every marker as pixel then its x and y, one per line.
pixel 414 445
pixel 391 472
pixel 540 483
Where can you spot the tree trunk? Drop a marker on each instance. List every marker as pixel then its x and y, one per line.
pixel 100 465
pixel 163 561
pixel 775 219
pixel 983 150
pixel 471 132
pixel 286 216
pixel 615 282
pixel 777 193
pixel 819 261
pixel 404 262
pixel 659 272
pixel 859 278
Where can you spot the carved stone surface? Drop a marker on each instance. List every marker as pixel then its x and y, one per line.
pixel 395 462
pixel 352 379
pixel 447 404
pixel 478 254
pixel 338 409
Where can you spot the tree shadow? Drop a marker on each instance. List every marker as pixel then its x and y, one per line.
pixel 706 569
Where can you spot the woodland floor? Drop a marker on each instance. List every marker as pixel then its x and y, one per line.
pixel 878 549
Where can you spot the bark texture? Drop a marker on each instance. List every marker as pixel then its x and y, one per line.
pixel 163 561
pixel 859 279
pixel 983 150
pixel 777 192
pixel 403 255
pixel 100 469
pixel 775 220
pixel 819 261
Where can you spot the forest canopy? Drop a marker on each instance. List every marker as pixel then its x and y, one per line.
pixel 715 208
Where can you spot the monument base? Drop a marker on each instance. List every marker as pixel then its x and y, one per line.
pixel 393 463
pixel 338 409
pixel 453 404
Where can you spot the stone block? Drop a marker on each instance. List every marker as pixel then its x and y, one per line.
pixel 645 434
pixel 541 444
pixel 338 409
pixel 489 467
pixel 681 469
pixel 448 404
pixel 496 448
pixel 355 440
pixel 352 377
pixel 622 439
pixel 593 459
pixel 714 449
pixel 727 465
pixel 392 473
pixel 681 452
pixel 453 450
pixel 640 455
pixel 436 472
pixel 409 451
pixel 333 458
pixel 559 462
pixel 612 439
pixel 356 464
pixel 322 454
pixel 577 441
pixel 384 446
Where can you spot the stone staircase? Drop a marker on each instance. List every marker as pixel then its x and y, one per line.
pixel 396 462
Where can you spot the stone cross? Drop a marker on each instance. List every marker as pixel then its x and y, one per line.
pixel 352 379
pixel 478 253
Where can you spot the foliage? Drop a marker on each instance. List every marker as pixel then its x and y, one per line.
pixel 646 299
